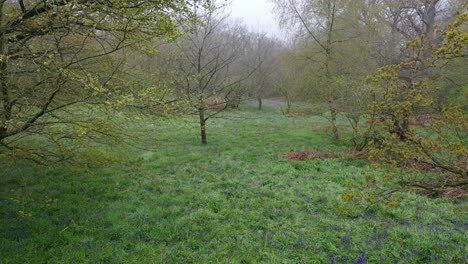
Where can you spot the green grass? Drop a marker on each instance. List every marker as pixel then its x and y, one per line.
pixel 236 200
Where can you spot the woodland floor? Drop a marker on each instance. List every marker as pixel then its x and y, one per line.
pixel 236 200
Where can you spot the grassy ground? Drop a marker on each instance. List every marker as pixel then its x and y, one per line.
pixel 236 200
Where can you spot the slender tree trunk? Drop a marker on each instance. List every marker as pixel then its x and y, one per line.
pixel 430 21
pixel 260 104
pixel 328 76
pixel 331 100
pixel 201 113
pixel 401 127
pixel 333 112
pixel 4 94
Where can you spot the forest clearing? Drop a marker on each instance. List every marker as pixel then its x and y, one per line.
pixel 237 200
pixel 179 131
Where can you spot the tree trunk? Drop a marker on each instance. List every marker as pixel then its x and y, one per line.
pixel 331 101
pixel 288 107
pixel 328 75
pixel 401 127
pixel 333 113
pixel 5 112
pixel 260 104
pixel 429 22
pixel 201 113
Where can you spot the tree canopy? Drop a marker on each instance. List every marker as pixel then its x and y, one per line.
pixel 58 54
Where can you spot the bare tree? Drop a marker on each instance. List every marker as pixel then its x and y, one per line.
pixel 263 54
pixel 422 21
pixel 207 63
pixel 319 22
pixel 403 21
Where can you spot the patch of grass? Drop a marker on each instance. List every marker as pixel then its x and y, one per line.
pixel 236 200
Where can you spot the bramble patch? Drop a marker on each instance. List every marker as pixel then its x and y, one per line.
pixel 306 154
pixel 421 120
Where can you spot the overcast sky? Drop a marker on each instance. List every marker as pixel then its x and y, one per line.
pixel 257 15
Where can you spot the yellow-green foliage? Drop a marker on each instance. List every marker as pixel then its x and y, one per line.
pixel 63 80
pixel 373 191
pixel 441 142
pixel 393 98
pixel 456 38
pixel 396 94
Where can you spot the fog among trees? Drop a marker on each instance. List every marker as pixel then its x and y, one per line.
pixel 170 131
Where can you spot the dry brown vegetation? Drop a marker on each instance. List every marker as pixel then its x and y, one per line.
pixel 307 154
pixel 421 120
